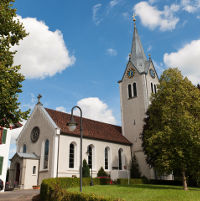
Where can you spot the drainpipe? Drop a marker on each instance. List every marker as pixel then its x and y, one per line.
pixel 58 155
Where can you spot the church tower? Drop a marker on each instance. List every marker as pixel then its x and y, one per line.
pixel 136 86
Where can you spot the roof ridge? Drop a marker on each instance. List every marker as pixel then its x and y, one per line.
pixel 84 117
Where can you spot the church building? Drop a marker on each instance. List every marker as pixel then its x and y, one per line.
pixel 47 148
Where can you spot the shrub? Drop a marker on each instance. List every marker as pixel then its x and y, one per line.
pixel 105 180
pixel 101 173
pixel 85 169
pixel 135 172
pixel 131 181
pixel 54 189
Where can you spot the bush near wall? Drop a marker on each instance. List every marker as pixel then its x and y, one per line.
pixel 55 189
pixel 131 181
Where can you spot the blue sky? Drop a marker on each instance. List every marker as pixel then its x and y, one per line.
pixel 77 50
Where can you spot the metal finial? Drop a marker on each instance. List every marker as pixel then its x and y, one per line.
pixel 39 97
pixel 149 56
pixel 134 18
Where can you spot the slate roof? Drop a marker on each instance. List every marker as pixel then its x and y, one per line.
pixel 138 57
pixel 91 129
pixel 26 155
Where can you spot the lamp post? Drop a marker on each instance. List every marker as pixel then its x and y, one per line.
pixel 72 126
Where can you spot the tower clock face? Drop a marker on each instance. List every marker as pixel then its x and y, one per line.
pixel 130 73
pixel 35 133
pixel 152 73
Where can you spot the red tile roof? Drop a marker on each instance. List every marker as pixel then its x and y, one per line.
pixel 91 129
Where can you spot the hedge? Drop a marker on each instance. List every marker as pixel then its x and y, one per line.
pixel 55 189
pixel 131 181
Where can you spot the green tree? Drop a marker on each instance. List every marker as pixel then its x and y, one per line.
pixel 171 135
pixel 11 32
pixel 135 172
pixel 101 173
pixel 85 169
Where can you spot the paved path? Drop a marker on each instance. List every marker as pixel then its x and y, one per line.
pixel 18 195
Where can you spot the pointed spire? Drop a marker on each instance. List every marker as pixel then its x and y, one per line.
pixel 138 57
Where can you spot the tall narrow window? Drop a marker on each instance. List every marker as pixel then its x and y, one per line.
pixel 134 89
pixel 46 154
pixel 155 89
pixel 151 87
pixel 24 148
pixel 71 155
pixel 1 164
pixel 120 158
pixel 106 158
pixel 129 91
pixel 90 156
pixel 34 169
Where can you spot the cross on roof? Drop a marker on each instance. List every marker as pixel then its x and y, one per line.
pixel 39 97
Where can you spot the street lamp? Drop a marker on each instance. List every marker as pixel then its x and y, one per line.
pixel 91 181
pixel 72 126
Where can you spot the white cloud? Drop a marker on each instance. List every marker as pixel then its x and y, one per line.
pixel 159 67
pixel 32 103
pixel 43 52
pixel 61 109
pixel 111 52
pixel 187 59
pixel 126 15
pixel 114 3
pixel 152 1
pixel 95 10
pixel 149 48
pixel 94 108
pixel 152 17
pixel 190 5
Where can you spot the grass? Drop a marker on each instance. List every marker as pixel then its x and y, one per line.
pixel 143 192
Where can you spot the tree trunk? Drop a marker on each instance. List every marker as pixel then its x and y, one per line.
pixel 184 180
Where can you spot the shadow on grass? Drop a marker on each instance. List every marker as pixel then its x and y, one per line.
pixel 150 186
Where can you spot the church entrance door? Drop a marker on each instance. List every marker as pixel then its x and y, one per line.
pixel 17 174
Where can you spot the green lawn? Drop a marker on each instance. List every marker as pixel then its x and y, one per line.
pixel 143 192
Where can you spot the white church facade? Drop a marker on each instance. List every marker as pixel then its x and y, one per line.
pixel 46 148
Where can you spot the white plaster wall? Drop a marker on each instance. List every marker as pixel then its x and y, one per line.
pixel 4 151
pixel 30 179
pixel 99 147
pixel 47 131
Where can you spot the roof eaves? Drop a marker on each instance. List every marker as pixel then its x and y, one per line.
pixel 98 139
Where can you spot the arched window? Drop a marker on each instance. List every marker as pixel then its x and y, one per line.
pixel 120 158
pixel 46 154
pixel 155 89
pixel 134 90
pixel 106 158
pixel 71 155
pixel 151 87
pixel 90 156
pixel 24 148
pixel 129 91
